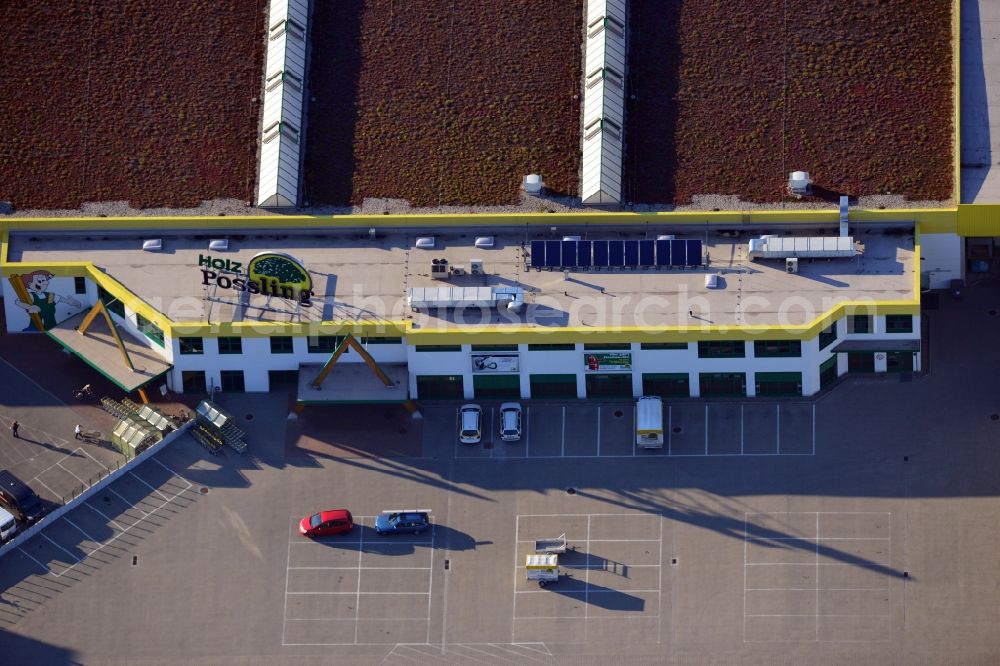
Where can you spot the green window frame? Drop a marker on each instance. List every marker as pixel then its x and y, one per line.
pixel 191 345
pixel 230 345
pixel 899 323
pixel 149 329
pixel 559 346
pixel 111 303
pixel 722 349
pixel 663 345
pixel 777 348
pixel 282 344
pixel 497 348
pixel 80 285
pixel 438 348
pixel 607 346
pixel 324 344
pixel 860 324
pixel 382 341
pixel 828 335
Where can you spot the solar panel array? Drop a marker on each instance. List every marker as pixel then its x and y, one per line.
pixel 568 254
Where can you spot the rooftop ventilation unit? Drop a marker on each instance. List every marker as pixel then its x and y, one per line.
pixel 815 247
pixel 429 298
pixel 152 244
pixel 425 242
pixel 799 183
pixel 533 183
pixel 485 242
pixel 218 244
pixel 439 269
pixel 572 238
pixel 476 267
pixel 665 237
pixel 791 265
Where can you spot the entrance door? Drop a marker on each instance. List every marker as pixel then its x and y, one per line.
pixel 283 380
pixel 440 387
pixel 899 361
pixel 553 386
pixel 722 384
pixel 618 385
pixel 497 386
pixel 861 361
pixel 193 381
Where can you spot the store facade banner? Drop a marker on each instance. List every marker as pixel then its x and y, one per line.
pixel 495 363
pixel 608 361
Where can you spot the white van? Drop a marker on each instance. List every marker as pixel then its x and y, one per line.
pixel 8 525
pixel 649 422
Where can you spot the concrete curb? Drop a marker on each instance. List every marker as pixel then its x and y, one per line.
pixel 94 489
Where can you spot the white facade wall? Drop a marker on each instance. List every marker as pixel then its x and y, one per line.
pixel 942 259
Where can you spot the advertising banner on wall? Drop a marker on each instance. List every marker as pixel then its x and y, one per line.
pixel 495 363
pixel 608 361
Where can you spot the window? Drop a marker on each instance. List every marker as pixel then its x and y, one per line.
pixel 438 348
pixel 827 335
pixel 776 348
pixel 382 341
pixel 80 285
pixel 323 344
pixel 192 345
pixel 232 381
pixel 281 344
pixel 509 348
pixel 554 347
pixel 664 345
pixel 721 349
pixel 230 345
pixel 193 381
pixel 149 329
pixel 111 302
pixel 859 324
pixel 603 346
pixel 899 324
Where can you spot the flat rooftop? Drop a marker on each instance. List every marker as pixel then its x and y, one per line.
pixel 357 278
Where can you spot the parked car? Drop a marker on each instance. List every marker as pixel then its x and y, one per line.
pixel 19 499
pixel 8 525
pixel 327 523
pixel 471 424
pixel 510 421
pixel 403 521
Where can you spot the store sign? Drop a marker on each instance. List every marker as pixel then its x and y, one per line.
pixel 483 363
pixel 268 274
pixel 608 361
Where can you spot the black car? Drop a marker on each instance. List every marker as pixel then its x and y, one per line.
pixel 19 499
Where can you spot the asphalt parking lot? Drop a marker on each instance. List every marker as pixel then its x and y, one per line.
pixel 873 542
pixel 606 430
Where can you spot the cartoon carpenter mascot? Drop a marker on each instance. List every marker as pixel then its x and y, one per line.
pixel 42 301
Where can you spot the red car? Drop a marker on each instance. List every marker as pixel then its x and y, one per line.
pixel 326 523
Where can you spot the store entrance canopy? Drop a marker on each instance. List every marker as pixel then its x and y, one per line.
pixel 352 383
pixel 98 347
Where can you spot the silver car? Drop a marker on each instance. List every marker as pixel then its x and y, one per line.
pixel 510 421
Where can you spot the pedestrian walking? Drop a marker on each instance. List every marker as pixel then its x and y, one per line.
pixel 79 431
pixel 14 427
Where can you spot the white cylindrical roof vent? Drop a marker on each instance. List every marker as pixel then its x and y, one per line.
pixel 533 183
pixel 798 182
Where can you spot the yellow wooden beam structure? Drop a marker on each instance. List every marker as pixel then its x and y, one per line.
pixel 349 341
pixel 89 319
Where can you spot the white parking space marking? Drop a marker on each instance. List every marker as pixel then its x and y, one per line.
pixel 790 598
pixel 132 474
pixel 357 617
pixel 544 605
pixel 106 516
pixel 712 430
pixel 59 464
pixel 77 559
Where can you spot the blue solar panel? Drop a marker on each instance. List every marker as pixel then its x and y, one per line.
pixel 678 253
pixel 553 254
pixel 537 253
pixel 569 253
pixel 616 253
pixel 646 252
pixel 601 253
pixel 663 253
pixel 694 253
pixel 583 254
pixel 631 253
